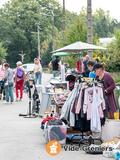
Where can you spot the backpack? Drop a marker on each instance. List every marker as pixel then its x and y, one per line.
pixel 20 73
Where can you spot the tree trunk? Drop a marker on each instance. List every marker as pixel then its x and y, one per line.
pixel 89 24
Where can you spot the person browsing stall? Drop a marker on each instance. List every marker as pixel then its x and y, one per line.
pixel 86 70
pixel 55 64
pixel 92 73
pixel 109 86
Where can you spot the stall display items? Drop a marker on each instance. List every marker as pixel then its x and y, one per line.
pixel 114 143
pixel 57 132
pixel 85 111
pixel 48 118
pixel 55 89
pixel 55 129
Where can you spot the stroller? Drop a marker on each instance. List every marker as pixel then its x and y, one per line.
pixel 33 96
pixel 2 89
pixel 34 100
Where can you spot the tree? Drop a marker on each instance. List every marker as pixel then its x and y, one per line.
pixel 114 53
pixel 19 20
pixel 76 32
pixel 3 51
pixel 18 23
pixel 104 25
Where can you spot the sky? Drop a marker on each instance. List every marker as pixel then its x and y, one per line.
pixel 75 5
pixel 113 6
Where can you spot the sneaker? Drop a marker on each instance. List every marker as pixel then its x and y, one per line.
pixel 20 99
pixel 12 101
pixel 3 98
pixel 6 102
pixel 16 100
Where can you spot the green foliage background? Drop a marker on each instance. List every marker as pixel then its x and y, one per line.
pixel 18 31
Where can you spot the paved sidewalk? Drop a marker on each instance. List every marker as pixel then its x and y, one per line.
pixel 22 139
pixel 19 137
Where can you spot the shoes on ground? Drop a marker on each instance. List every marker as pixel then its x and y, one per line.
pixel 3 98
pixel 20 99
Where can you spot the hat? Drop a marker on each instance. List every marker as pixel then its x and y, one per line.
pixel 19 63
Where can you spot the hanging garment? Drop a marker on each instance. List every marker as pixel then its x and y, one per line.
pixel 81 124
pixel 72 114
pixel 78 107
pixel 68 103
pixel 76 99
pixel 88 100
pixel 95 116
pixel 94 105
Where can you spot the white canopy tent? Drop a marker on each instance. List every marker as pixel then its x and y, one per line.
pixel 79 46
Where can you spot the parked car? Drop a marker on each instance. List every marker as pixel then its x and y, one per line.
pixel 29 67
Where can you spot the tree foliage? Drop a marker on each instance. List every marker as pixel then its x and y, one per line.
pixel 114 53
pixel 3 51
pixel 77 31
pixel 19 20
pixel 104 25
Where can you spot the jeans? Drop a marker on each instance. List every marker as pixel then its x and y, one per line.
pixel 9 92
pixel 38 77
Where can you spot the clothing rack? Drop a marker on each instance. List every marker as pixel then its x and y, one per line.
pixel 84 139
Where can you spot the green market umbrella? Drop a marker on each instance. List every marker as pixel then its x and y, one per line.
pixel 63 54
